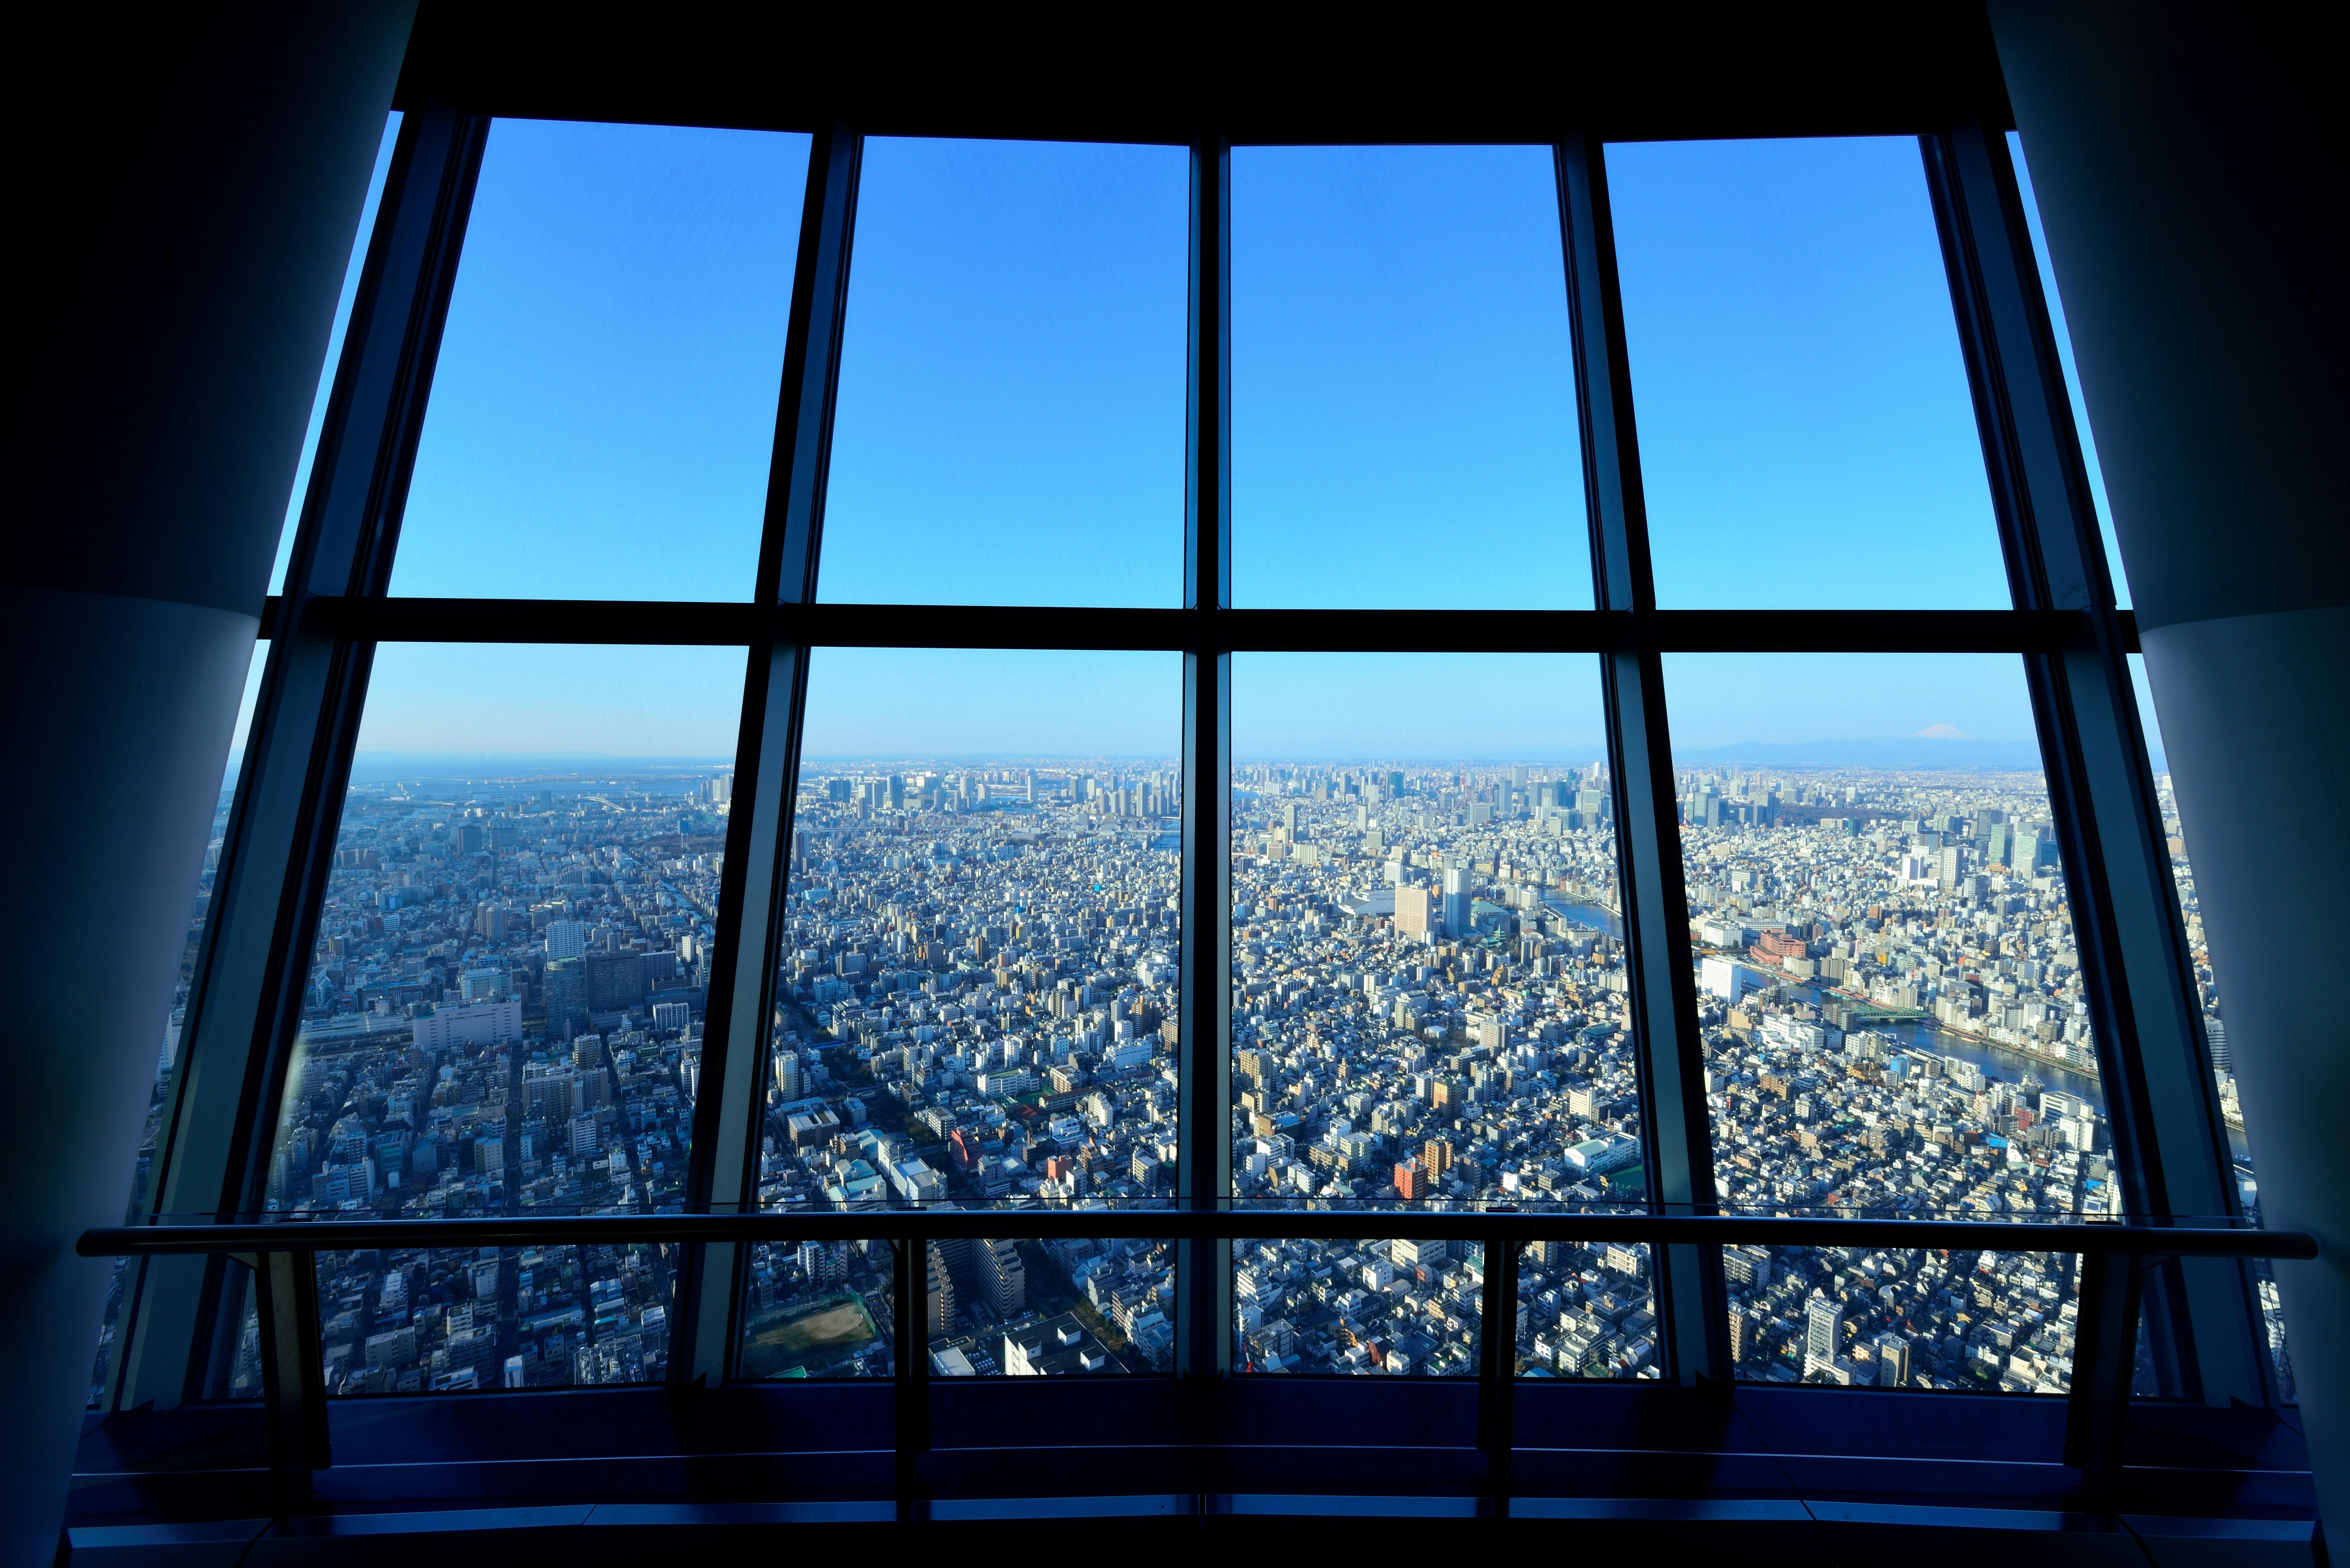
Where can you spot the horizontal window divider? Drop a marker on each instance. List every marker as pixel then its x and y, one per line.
pixel 1235 1224
pixel 1079 626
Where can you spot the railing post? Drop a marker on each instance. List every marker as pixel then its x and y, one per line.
pixel 911 1280
pixel 1497 1367
pixel 2105 1355
pixel 293 1383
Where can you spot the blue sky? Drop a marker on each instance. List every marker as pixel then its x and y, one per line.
pixel 1010 429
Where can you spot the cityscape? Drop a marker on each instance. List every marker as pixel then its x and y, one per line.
pixel 977 1004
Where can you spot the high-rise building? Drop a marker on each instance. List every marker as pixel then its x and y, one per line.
pixel 1456 901
pixel 1823 1332
pixel 566 987
pixel 1002 1278
pixel 1411 1180
pixel 1741 1335
pixel 615 981
pixel 1892 1361
pixel 1415 914
pixel 939 1317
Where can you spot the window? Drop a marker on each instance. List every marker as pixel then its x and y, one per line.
pixel 1360 749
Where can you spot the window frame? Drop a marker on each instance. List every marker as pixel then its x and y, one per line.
pixel 243 1007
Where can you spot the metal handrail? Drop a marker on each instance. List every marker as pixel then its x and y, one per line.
pixel 298 1234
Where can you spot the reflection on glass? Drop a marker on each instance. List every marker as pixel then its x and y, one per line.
pixel 1358 1308
pixel 1586 1311
pixel 1064 1308
pixel 352 269
pixel 1428 992
pixel 1404 428
pixel 1985 1321
pixel 1807 439
pixel 2072 372
pixel 604 408
pixel 505 1002
pixel 143 1172
pixel 819 1309
pixel 2215 1029
pixel 1889 983
pixel 976 992
pixel 1009 419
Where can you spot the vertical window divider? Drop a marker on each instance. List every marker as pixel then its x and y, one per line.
pixel 2172 1150
pixel 1204 1114
pixel 1497 1367
pixel 1690 1294
pixel 244 1010
pixel 754 885
pixel 909 1280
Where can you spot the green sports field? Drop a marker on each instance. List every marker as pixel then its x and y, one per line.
pixel 809 1335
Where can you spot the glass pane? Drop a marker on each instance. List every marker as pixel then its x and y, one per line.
pixel 505 1002
pixel 357 264
pixel 1011 415
pixel 2215 1028
pixel 1404 427
pixel 819 1309
pixel 1982 1321
pixel 976 993
pixel 1063 1308
pixel 603 410
pixel 1806 435
pixel 1586 1312
pixel 2071 374
pixel 1428 982
pixel 1358 1308
pixel 142 1169
pixel 1890 987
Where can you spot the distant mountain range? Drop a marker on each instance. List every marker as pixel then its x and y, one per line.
pixel 385 767
pixel 1907 752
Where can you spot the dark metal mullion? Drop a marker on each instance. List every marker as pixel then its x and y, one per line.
pixel 254 953
pixel 1679 1145
pixel 293 1383
pixel 909 1279
pixel 686 623
pixel 753 883
pixel 1497 1366
pixel 2143 1003
pixel 1203 1094
pixel 1251 1221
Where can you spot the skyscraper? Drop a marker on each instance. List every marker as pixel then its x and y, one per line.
pixel 566 994
pixel 1002 1278
pixel 1414 912
pixel 1823 1332
pixel 1456 901
pixel 939 1317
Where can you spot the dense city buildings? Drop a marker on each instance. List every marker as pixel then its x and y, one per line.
pixel 976 1005
pixel 1890 995
pixel 1429 1011
pixel 504 1015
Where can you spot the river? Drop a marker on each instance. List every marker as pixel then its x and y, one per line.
pixel 1591 917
